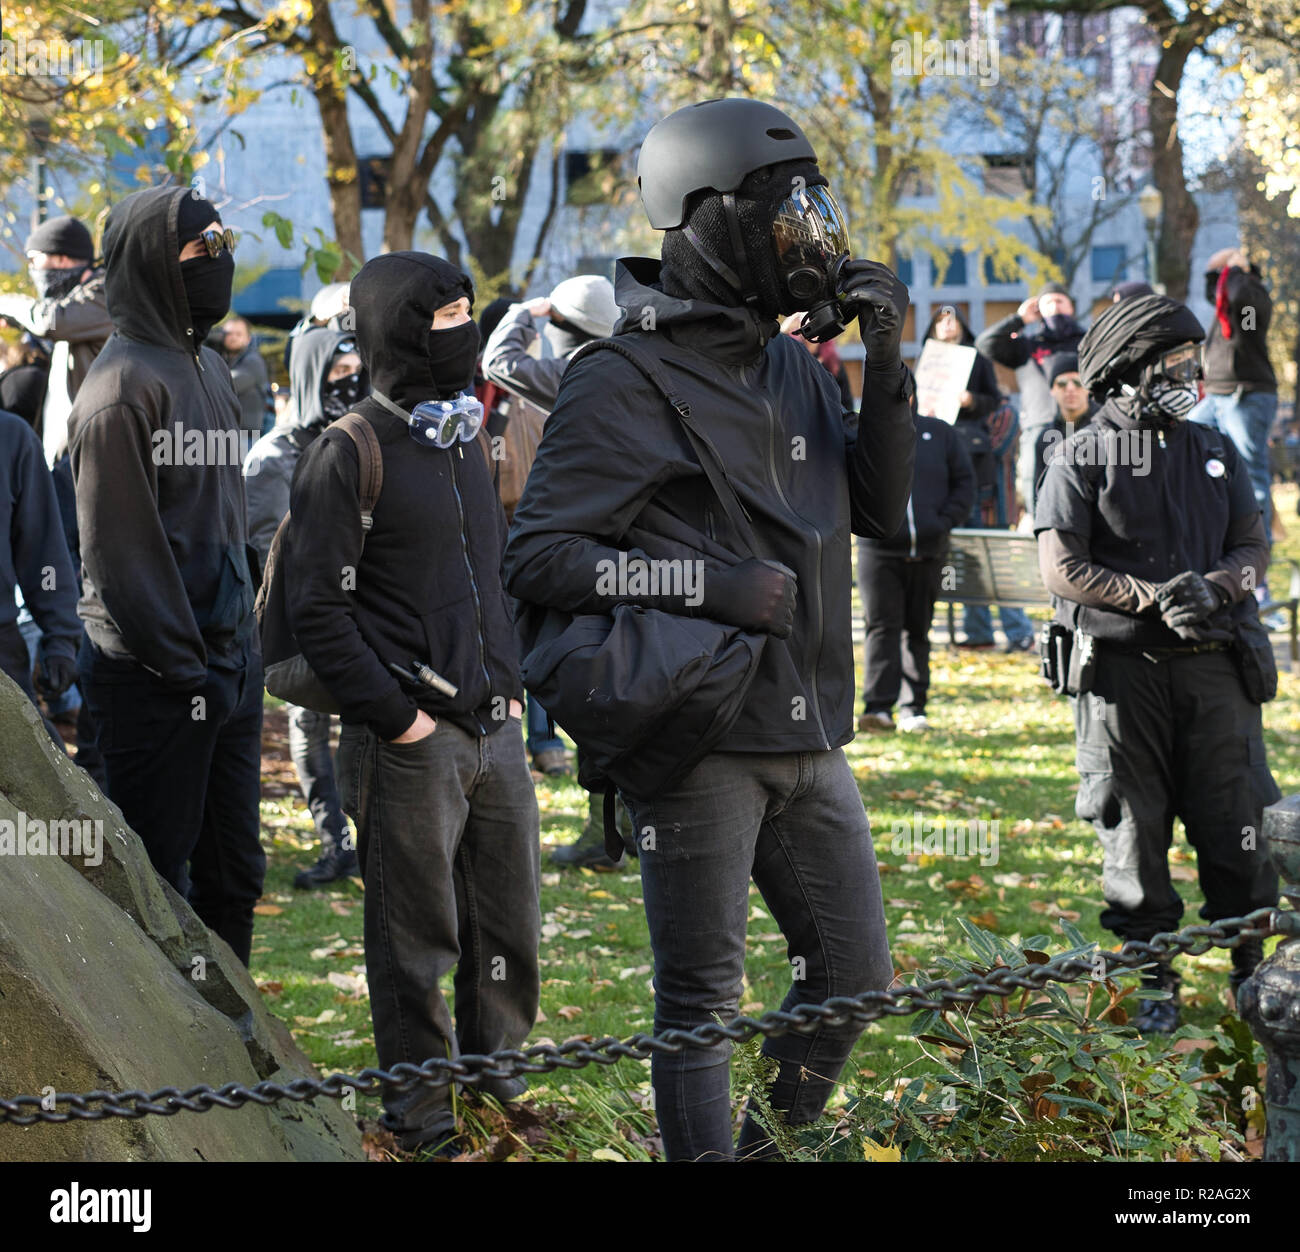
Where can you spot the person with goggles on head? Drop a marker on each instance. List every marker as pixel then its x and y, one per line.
pixel 753 234
pixel 169 580
pixel 1150 540
pixel 416 644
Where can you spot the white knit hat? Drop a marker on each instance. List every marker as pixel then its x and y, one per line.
pixel 588 302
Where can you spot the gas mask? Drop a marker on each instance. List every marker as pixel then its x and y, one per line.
pixel 810 242
pixel 53 283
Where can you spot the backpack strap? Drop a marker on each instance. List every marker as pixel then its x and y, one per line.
pixel 371 462
pixel 710 462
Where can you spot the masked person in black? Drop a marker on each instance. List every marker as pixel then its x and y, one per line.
pixel 1150 539
pixel 434 776
pixel 171 667
pixel 753 233
pixel 327 381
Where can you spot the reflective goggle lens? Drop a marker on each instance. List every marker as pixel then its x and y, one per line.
pixel 1182 364
pixel 215 240
pixel 809 228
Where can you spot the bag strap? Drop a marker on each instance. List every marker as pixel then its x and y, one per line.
pixel 710 461
pixel 371 462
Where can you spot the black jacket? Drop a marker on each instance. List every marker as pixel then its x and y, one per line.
pixel 1241 361
pixel 943 491
pixel 428 583
pixel 167 579
pixel 614 471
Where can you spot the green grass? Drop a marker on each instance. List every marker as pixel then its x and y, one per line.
pixel 1001 750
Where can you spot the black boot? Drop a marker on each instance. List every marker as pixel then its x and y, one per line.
pixel 1245 957
pixel 336 861
pixel 1159 1017
pixel 587 851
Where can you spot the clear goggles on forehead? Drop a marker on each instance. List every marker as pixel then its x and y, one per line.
pixel 809 230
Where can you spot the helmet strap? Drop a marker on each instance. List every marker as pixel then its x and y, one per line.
pixel 719 267
pixel 746 285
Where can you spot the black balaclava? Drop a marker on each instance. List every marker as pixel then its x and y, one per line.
pixel 60 236
pixel 208 280
pixel 685 273
pixel 453 354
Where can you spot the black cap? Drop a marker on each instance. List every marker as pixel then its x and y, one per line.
pixel 62 236
pixel 1126 291
pixel 1061 363
pixel 1056 289
pixel 194 216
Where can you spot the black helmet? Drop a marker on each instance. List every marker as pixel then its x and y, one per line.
pixel 712 145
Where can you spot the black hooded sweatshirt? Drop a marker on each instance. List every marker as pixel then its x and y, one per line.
pixel 615 471
pixel 428 582
pixel 166 573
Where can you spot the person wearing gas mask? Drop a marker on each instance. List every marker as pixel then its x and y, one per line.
pixel 1240 383
pixel 327 381
pixel 526 355
pixel 752 233
pixel 415 642
pixel 1042 326
pixel 69 311
pixel 1150 539
pixel 171 667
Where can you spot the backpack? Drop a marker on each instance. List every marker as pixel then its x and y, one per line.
pixel 645 694
pixel 286 672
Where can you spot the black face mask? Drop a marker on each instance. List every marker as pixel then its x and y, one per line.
pixel 51 284
pixel 1059 325
pixel 342 394
pixel 452 354
pixel 1211 284
pixel 208 282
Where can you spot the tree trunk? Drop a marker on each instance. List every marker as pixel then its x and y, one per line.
pixel 1181 216
pixel 340 153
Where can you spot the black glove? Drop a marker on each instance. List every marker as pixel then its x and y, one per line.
pixel 881 299
pixel 58 673
pixel 1187 599
pixel 755 595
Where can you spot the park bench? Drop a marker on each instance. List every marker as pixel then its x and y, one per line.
pixel 1001 567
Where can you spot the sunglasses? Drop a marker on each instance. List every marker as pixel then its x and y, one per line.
pixel 215 240
pixel 1062 383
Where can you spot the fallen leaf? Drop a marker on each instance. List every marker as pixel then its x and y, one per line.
pixel 569 1012
pixel 1183 873
pixel 267 910
pixel 632 971
pixel 607 1154
pixel 270 988
pixel 343 910
pixel 872 1151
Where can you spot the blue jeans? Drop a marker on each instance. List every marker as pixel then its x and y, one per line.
pixel 309 746
pixel 542 736
pixel 1246 418
pixel 794 822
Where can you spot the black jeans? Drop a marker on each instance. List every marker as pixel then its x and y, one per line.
pixel 898 598
pixel 309 746
pixel 794 822
pixel 447 837
pixel 1171 738
pixel 185 769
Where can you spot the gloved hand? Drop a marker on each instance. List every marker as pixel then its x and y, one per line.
pixel 755 595
pixel 881 299
pixel 58 673
pixel 1187 599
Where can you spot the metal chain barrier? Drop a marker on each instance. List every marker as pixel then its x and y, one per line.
pixel 1001 981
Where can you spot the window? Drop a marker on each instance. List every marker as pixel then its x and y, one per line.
pixel 1007 174
pixel 991 277
pixel 1108 263
pixel 1072 34
pixel 372 171
pixel 589 174
pixel 905 273
pixel 953 274
pixel 268 298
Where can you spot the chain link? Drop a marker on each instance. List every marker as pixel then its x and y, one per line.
pixel 870 1006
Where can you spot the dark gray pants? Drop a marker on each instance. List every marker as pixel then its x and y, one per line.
pixel 1165 739
pixel 794 823
pixel 447 837
pixel 309 746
